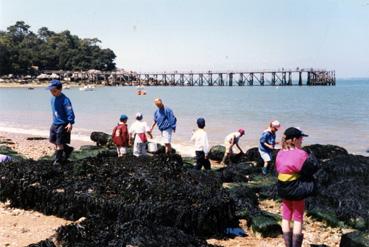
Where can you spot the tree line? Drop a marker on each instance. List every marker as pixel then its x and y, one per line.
pixel 21 51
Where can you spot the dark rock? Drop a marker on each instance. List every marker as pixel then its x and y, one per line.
pixel 158 190
pixel 216 153
pixel 253 155
pixel 36 138
pixel 43 243
pixel 101 232
pixel 326 151
pixel 237 172
pixel 343 190
pixel 101 138
pixel 355 239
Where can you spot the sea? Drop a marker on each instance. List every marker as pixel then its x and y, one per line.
pixel 336 115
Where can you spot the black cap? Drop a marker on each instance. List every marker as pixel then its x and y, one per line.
pixel 293 132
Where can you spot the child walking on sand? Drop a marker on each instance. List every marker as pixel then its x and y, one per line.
pixel 120 136
pixel 200 138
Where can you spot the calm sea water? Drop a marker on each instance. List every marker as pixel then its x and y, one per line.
pixel 330 115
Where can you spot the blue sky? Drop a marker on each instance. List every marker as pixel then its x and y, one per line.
pixel 167 35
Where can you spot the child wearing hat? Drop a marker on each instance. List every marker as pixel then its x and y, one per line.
pixel 62 124
pixel 200 138
pixel 295 168
pixel 230 141
pixel 267 143
pixel 120 136
pixel 138 132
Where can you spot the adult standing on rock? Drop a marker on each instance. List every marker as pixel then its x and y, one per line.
pixel 295 169
pixel 62 124
pixel 166 121
pixel 230 141
pixel 267 143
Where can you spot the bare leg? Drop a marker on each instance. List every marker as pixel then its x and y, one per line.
pixel 168 148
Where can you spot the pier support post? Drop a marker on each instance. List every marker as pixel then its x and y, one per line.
pixel 273 78
pixel 230 78
pixel 262 79
pixel 300 78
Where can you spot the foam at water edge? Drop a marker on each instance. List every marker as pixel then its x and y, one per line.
pixel 42 133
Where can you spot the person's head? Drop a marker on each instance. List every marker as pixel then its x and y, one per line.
pixel 159 103
pixel 200 123
pixel 242 132
pixel 274 126
pixel 139 116
pixel 292 138
pixel 123 118
pixel 55 87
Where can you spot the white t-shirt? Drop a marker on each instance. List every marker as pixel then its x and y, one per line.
pixel 201 141
pixel 138 127
pixel 235 135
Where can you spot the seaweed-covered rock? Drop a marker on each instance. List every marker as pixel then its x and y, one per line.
pixel 101 232
pixel 101 138
pixel 253 155
pixel 237 172
pixel 43 243
pixel 355 239
pixel 326 151
pixel 343 190
pixel 155 189
pixel 216 153
pixel 245 200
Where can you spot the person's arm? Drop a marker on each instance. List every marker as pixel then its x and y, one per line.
pixel 172 119
pixel 70 114
pixel 263 140
pixel 153 125
pixel 147 129
pixel 206 145
pixel 239 148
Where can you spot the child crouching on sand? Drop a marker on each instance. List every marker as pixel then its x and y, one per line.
pixel 200 138
pixel 120 136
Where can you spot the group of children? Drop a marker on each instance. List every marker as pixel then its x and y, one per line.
pixel 295 167
pixel 138 132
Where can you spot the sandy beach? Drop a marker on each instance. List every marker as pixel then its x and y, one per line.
pixel 22 227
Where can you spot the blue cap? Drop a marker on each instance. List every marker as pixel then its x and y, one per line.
pixel 123 117
pixel 54 84
pixel 201 122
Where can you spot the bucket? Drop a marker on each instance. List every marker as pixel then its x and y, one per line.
pixel 152 147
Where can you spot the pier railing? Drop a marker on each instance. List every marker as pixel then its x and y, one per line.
pixel 300 77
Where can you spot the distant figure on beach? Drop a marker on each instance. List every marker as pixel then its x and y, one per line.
pixel 5 158
pixel 138 132
pixel 120 136
pixel 230 141
pixel 295 169
pixel 200 138
pixel 63 120
pixel 267 143
pixel 166 121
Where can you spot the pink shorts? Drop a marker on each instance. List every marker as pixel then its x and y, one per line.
pixel 293 209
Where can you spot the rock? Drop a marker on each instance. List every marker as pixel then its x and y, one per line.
pixel 253 155
pixel 216 153
pixel 101 138
pixel 355 239
pixel 343 187
pixel 237 172
pixel 36 138
pixel 326 151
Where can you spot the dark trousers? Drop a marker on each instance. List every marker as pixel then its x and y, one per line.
pixel 201 161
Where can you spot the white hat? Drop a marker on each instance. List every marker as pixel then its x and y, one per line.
pixel 138 115
pixel 275 124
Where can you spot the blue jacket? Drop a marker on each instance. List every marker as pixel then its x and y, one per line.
pixel 165 119
pixel 266 137
pixel 62 110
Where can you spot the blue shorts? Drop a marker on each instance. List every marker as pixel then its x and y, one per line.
pixel 59 135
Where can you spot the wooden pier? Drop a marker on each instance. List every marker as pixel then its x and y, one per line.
pixel 298 77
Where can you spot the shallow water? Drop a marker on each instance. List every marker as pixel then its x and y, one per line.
pixel 330 115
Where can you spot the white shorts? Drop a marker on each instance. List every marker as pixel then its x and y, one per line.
pixel 166 136
pixel 229 148
pixel 121 150
pixel 139 149
pixel 265 156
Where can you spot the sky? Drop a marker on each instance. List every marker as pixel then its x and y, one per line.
pixel 202 35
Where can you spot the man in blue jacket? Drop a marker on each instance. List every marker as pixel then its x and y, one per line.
pixel 166 121
pixel 63 120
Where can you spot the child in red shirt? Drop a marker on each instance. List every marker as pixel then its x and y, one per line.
pixel 120 136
